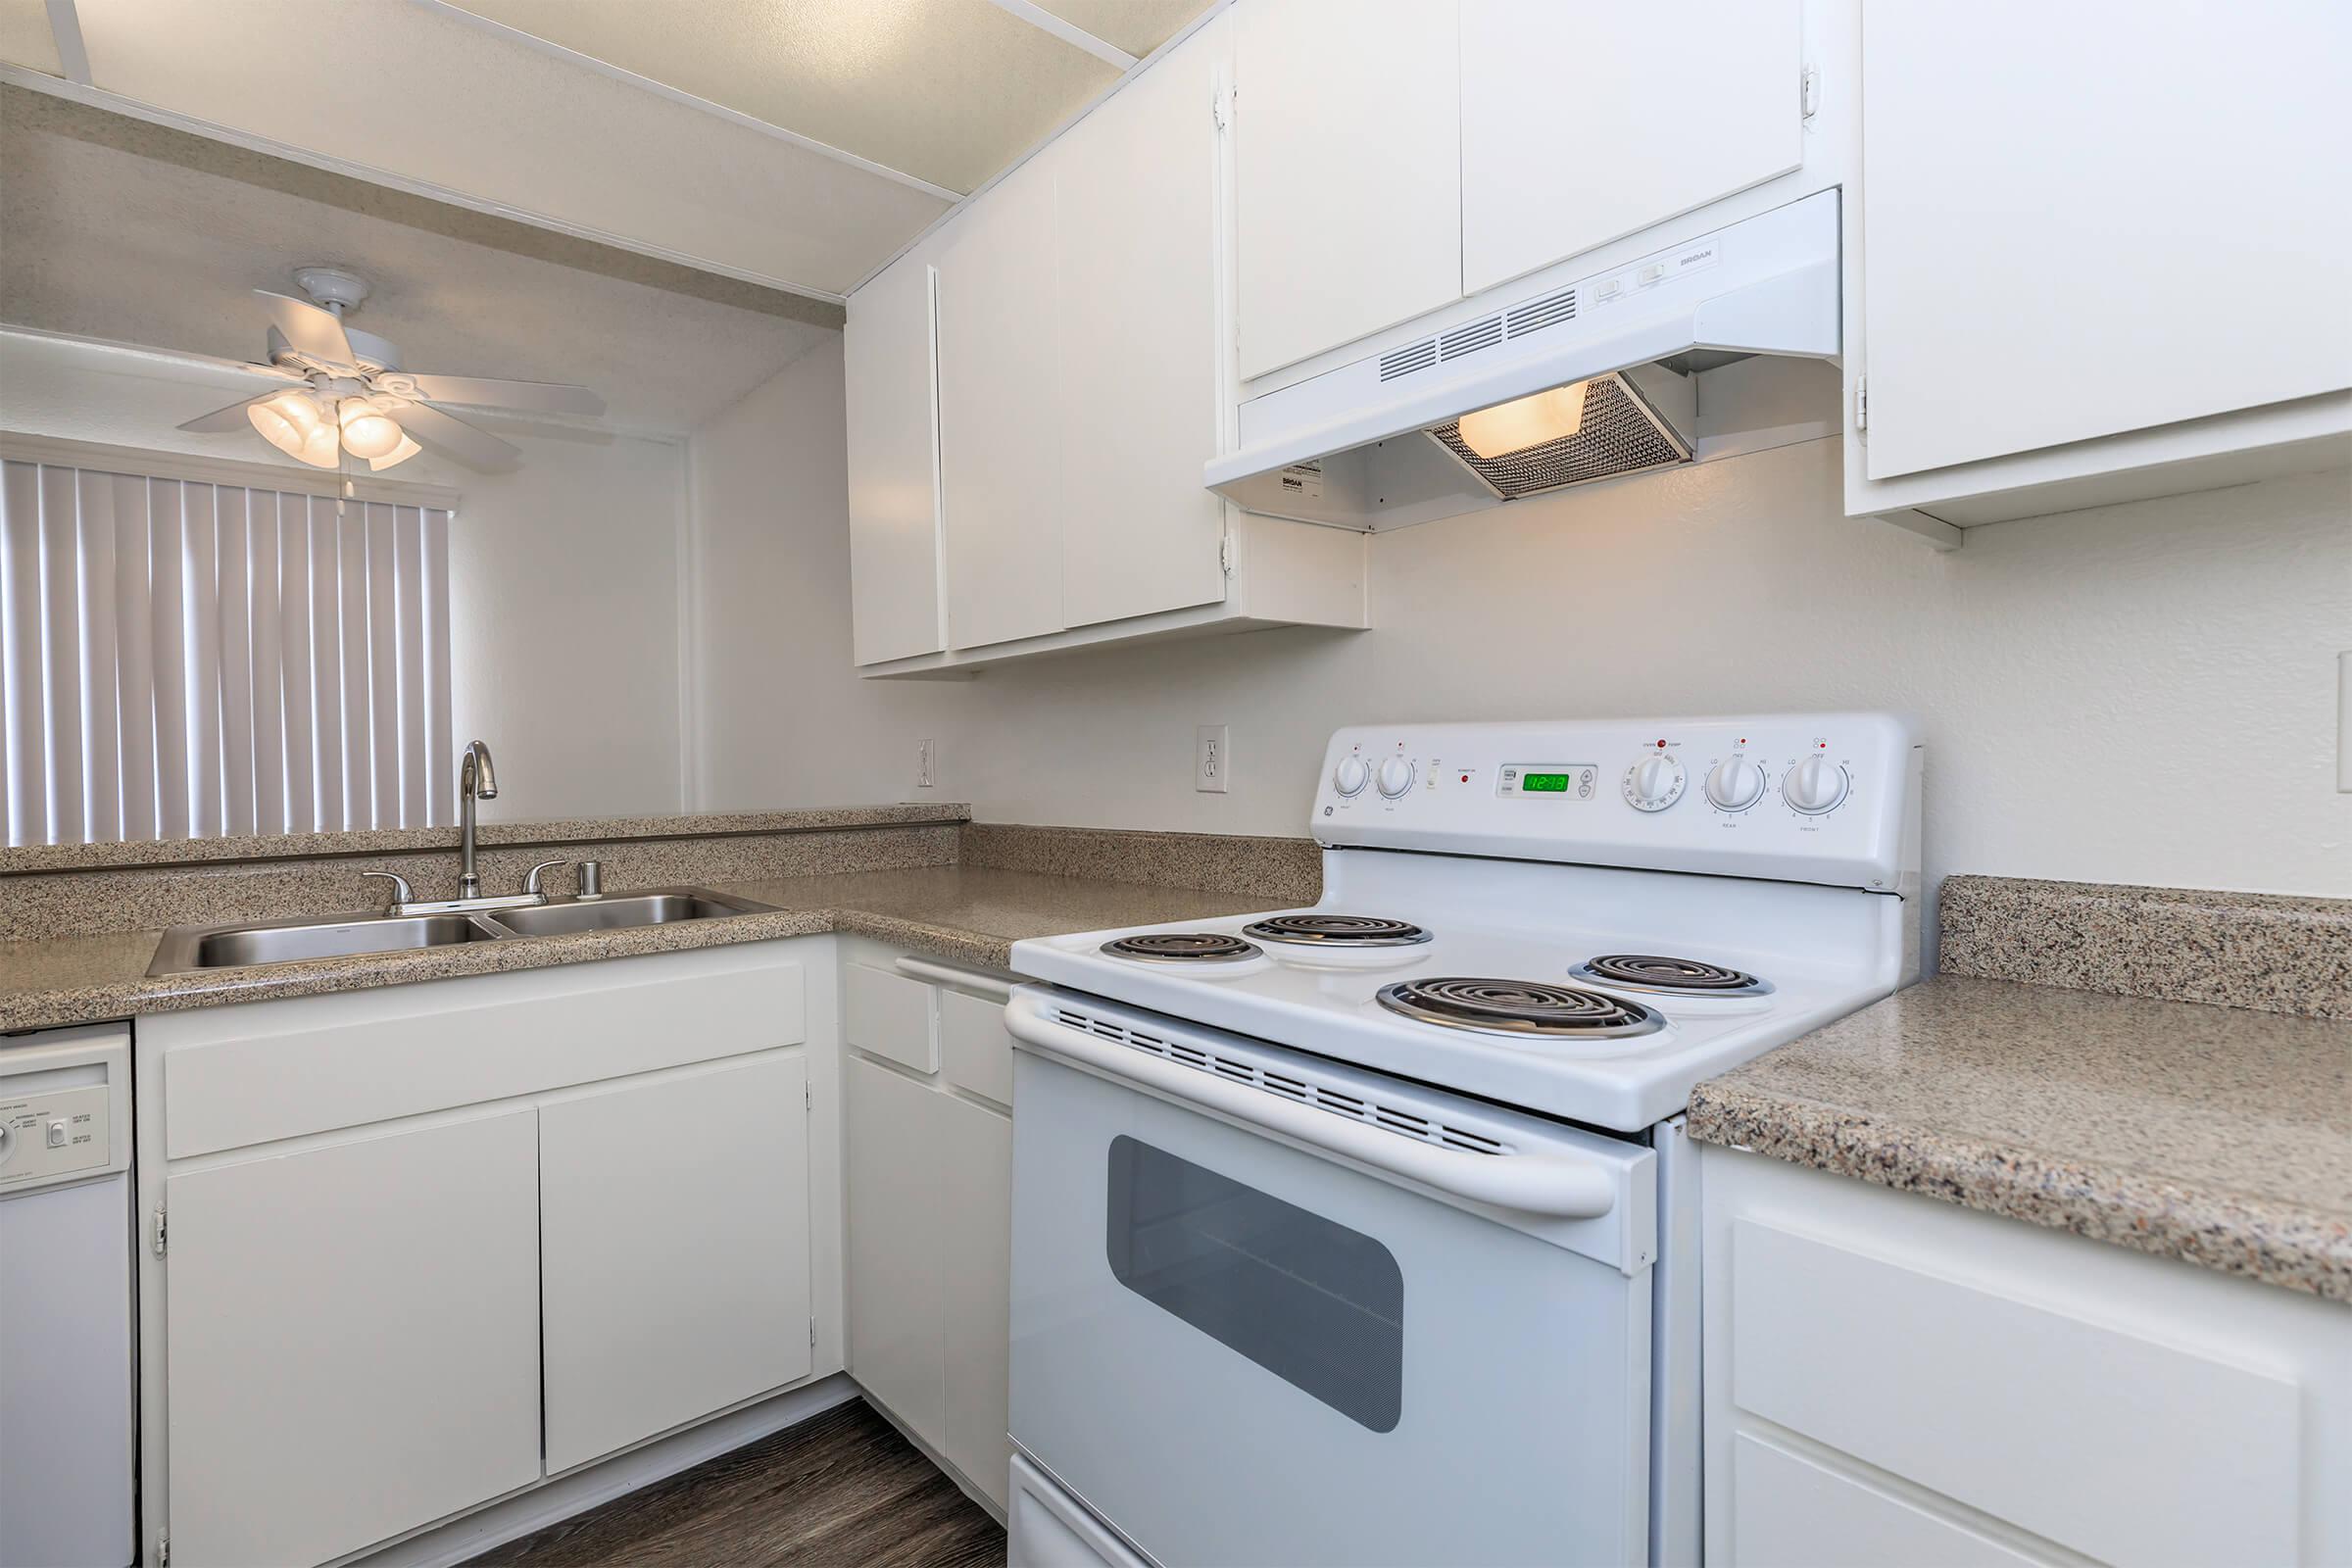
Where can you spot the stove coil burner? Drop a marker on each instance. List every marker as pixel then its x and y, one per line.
pixel 1525 1007
pixel 1641 971
pixel 1182 947
pixel 1337 931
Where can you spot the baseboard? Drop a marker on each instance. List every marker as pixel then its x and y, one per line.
pixel 517 1515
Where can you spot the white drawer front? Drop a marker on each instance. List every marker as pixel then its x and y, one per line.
pixel 889 1015
pixel 2103 1441
pixel 1790 1512
pixel 975 1051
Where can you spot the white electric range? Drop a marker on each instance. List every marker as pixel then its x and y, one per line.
pixel 1366 1234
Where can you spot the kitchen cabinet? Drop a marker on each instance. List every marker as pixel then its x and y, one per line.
pixel 893 464
pixel 353 1339
pixel 1347 171
pixel 1001 412
pixel 416 1249
pixel 1584 123
pixel 1891 1378
pixel 675 1280
pixel 930 1207
pixel 2076 283
pixel 1068 335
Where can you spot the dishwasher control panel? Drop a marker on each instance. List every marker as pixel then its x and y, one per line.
pixel 65 1107
pixel 53 1134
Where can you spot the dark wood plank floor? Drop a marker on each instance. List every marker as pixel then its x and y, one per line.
pixel 842 1488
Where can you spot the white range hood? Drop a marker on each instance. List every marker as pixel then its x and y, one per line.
pixel 1719 345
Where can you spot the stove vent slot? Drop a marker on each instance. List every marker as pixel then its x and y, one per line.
pixel 1405 360
pixel 1470 339
pixel 1537 315
pixel 1305 1090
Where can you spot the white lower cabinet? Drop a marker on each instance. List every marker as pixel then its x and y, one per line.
pixel 1889 1378
pixel 929 1176
pixel 417 1249
pixel 352 1341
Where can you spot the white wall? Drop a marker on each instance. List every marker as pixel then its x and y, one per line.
pixel 564 578
pixel 2143 693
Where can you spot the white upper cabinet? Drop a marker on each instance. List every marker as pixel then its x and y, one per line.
pixel 2087 220
pixel 1581 123
pixel 894 511
pixel 1348 168
pixel 1141 343
pixel 1001 412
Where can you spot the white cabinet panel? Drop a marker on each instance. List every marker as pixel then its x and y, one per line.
pixel 1582 123
pixel 889 1015
pixel 975 1049
pixel 674 1251
pixel 1788 1512
pixel 895 1255
pixel 1347 171
pixel 893 465
pixel 999 413
pixel 976 1146
pixel 352 1341
pixel 1141 343
pixel 2086 220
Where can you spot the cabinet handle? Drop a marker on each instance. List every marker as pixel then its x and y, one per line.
pixel 993 987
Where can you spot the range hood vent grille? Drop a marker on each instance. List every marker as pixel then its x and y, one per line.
pixel 1405 360
pixel 1471 338
pixel 1622 435
pixel 1536 315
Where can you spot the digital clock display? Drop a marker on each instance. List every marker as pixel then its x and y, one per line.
pixel 1545 783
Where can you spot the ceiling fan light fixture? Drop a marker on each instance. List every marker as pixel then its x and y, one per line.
pixel 294 423
pixel 401 453
pixel 366 431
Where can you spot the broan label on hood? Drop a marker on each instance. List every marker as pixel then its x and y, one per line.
pixel 1303 481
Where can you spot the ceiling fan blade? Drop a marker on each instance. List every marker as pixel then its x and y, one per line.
pixel 476 449
pixel 231 417
pixel 309 329
pixel 538 397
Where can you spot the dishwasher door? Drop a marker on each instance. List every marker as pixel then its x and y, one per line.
pixel 67 1388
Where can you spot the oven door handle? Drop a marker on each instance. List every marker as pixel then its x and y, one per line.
pixel 1564 1186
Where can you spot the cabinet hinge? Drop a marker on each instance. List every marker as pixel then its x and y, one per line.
pixel 807 1098
pixel 163 1231
pixel 1808 92
pixel 162 1549
pixel 1227 555
pixel 1220 108
pixel 812 1334
pixel 1861 405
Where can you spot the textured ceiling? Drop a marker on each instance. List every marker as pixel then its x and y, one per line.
pixel 795 143
pixel 115 229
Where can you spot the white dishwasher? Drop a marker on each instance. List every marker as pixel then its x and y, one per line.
pixel 67 1395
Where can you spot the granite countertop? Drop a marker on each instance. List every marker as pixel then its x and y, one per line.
pixel 2222 1136
pixel 971 915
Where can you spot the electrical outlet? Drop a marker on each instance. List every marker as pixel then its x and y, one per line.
pixel 1212 761
pixel 926 764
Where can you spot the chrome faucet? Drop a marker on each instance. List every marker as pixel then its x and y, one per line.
pixel 477 779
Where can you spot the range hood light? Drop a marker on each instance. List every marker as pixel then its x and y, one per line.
pixel 1523 422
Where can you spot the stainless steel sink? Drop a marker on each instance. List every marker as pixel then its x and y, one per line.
pixel 334 936
pixel 620 911
pixel 341 936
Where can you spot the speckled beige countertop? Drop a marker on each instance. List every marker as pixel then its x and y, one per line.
pixel 2222 1136
pixel 972 914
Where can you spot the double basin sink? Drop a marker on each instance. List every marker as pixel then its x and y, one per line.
pixel 187 948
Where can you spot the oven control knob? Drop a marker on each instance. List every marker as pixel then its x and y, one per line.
pixel 1814 786
pixel 1735 784
pixel 1350 776
pixel 1395 776
pixel 1653 783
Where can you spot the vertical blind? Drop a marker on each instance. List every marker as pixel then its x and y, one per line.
pixel 188 660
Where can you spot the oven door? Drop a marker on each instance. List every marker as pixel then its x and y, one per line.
pixel 1247 1331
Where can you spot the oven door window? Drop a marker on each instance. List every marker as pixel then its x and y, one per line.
pixel 1317 1305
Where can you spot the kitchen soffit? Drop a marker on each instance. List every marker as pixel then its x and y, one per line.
pixel 795 143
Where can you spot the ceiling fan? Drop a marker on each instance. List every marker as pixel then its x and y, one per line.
pixel 347 392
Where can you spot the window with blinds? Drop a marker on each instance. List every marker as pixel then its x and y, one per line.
pixel 191 660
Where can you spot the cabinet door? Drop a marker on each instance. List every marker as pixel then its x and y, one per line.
pixel 1347 171
pixel 673 1252
pixel 893 456
pixel 2081 219
pixel 1142 341
pixel 1582 123
pixel 975 1145
pixel 895 1261
pixel 1001 413
pixel 352 1341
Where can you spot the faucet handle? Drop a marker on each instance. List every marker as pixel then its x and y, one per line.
pixel 530 883
pixel 400 887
